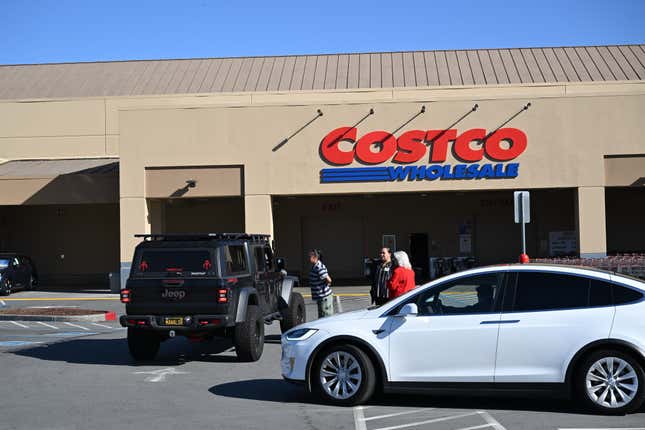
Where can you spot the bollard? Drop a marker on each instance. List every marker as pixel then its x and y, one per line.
pixel 339 308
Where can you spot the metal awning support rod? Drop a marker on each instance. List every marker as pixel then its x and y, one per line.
pixel 281 144
pixel 473 109
pixel 526 107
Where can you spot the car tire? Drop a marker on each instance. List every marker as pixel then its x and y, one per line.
pixel 32 282
pixel 249 336
pixel 295 314
pixel 5 287
pixel 601 378
pixel 358 370
pixel 143 346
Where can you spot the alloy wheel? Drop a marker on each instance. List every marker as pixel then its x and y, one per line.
pixel 340 375
pixel 611 382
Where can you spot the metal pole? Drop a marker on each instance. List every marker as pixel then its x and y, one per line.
pixel 521 211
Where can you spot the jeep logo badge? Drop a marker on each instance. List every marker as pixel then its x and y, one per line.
pixel 173 294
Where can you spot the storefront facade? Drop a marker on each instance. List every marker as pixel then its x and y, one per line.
pixel 422 166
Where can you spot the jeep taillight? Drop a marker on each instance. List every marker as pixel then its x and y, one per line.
pixel 221 295
pixel 125 296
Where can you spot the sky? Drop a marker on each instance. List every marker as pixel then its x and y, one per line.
pixel 47 31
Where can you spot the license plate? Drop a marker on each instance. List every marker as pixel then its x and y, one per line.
pixel 173 321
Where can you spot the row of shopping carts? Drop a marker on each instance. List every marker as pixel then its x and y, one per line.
pixel 442 266
pixel 629 264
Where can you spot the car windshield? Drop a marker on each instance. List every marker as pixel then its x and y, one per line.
pixel 4 263
pixel 169 261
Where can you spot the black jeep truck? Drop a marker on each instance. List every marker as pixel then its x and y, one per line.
pixel 207 285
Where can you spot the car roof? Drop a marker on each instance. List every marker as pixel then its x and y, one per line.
pixel 560 268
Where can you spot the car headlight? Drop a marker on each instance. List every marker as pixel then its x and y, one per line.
pixel 300 334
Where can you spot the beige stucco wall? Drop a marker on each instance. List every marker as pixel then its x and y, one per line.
pixel 570 127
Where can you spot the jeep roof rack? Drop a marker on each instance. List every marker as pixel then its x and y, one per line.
pixel 204 236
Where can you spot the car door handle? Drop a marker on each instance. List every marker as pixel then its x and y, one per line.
pixel 500 322
pixel 379 331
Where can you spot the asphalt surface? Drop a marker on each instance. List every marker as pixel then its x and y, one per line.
pixel 66 377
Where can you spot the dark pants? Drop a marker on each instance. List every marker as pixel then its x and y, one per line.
pixel 378 301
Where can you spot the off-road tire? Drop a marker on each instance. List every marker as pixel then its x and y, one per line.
pixel 249 336
pixel 143 346
pixel 368 382
pixel 5 287
pixel 295 314
pixel 580 382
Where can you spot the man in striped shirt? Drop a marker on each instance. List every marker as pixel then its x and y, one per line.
pixel 320 284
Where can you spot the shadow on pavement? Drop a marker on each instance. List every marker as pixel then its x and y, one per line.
pixel 279 391
pixel 268 390
pixel 114 352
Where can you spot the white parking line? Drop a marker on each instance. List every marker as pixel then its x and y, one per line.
pixel 379 417
pixel 604 428
pixel 77 326
pixel 101 325
pixel 53 327
pixel 359 418
pixel 483 426
pixel 19 325
pixel 490 420
pixel 436 420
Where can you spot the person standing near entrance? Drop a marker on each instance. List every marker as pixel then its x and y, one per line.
pixel 320 284
pixel 402 279
pixel 381 277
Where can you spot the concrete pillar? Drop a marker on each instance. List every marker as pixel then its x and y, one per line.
pixel 258 214
pixel 157 216
pixel 590 222
pixel 134 220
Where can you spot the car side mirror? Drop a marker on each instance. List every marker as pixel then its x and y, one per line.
pixel 280 264
pixel 409 309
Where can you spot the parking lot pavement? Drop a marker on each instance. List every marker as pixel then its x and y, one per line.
pixel 19 334
pixel 499 413
pixel 87 380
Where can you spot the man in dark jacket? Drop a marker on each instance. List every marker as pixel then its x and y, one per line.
pixel 380 276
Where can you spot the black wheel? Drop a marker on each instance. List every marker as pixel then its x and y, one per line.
pixel 143 346
pixel 249 336
pixel 32 282
pixel 343 375
pixel 610 382
pixel 5 287
pixel 295 314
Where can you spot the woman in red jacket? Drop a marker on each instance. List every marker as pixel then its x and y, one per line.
pixel 402 279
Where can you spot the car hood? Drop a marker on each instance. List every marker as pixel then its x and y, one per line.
pixel 346 316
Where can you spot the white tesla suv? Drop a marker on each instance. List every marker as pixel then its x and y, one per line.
pixel 516 328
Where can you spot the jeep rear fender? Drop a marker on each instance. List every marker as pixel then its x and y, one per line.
pixel 248 296
pixel 288 284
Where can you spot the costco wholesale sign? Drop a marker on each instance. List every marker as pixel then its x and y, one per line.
pixel 421 155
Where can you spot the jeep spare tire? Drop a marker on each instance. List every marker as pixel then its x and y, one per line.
pixel 249 336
